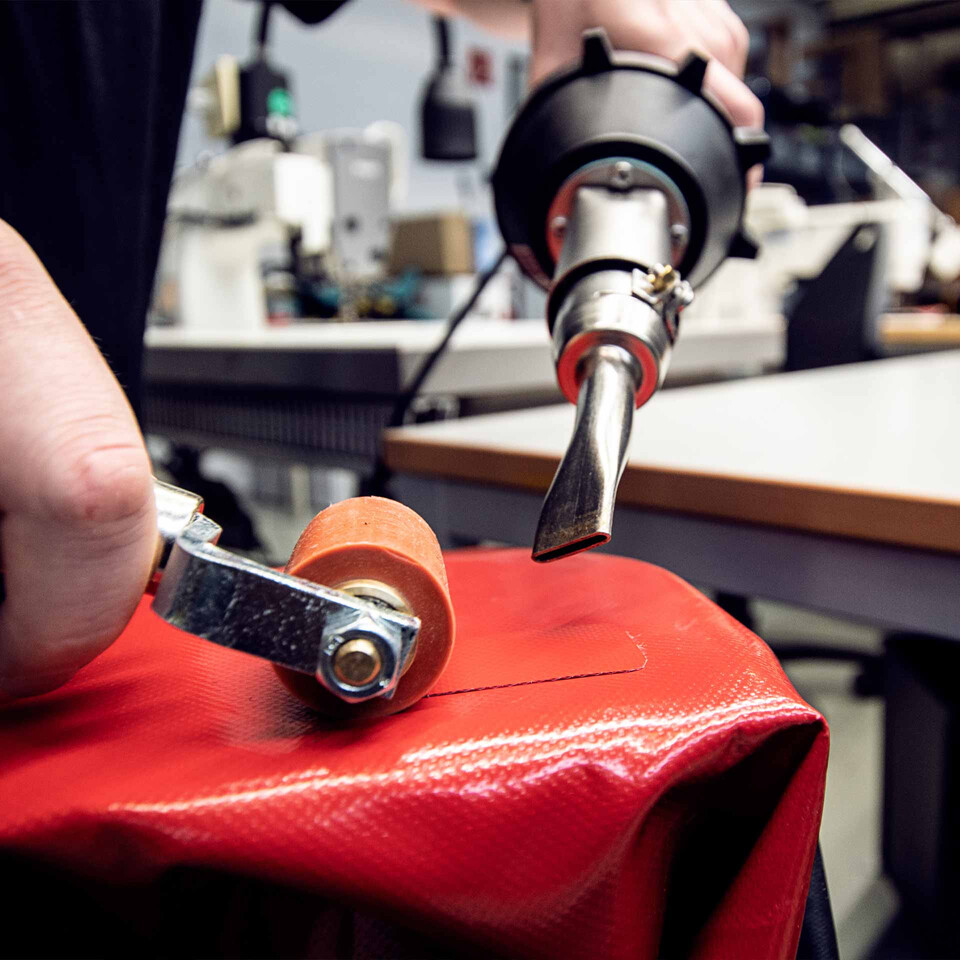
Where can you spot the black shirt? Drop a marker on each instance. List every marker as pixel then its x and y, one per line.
pixel 91 98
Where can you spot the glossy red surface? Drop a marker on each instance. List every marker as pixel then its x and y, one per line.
pixel 609 767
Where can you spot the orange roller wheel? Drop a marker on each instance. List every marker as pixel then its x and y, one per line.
pixel 362 546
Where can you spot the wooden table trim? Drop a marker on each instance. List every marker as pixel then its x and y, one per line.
pixel 903 520
pixel 927 331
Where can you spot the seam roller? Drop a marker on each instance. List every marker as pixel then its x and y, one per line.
pixel 359 623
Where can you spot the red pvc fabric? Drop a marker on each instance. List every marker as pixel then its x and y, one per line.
pixel 609 767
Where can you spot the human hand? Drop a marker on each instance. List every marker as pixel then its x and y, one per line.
pixel 667 28
pixel 78 531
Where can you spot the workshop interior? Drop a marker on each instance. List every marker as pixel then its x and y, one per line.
pixel 558 523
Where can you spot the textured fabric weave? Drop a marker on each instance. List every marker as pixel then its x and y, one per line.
pixel 609 767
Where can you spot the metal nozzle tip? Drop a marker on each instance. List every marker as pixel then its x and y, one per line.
pixel 545 553
pixel 577 513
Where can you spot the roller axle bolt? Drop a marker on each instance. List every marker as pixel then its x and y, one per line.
pixel 361 656
pixel 357 662
pixel 387 642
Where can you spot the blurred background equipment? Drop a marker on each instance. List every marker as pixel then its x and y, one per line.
pixel 447 118
pixel 281 226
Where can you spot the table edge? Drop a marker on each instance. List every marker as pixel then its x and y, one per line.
pixel 898 519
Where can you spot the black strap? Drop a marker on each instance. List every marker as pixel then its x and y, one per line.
pixel 818 936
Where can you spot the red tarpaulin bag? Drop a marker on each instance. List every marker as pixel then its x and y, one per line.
pixel 610 766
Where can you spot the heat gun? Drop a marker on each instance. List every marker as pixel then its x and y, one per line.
pixel 620 188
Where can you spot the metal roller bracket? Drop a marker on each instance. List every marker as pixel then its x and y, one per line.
pixel 246 606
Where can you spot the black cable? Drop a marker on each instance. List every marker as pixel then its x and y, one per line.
pixel 443 41
pixel 376 484
pixel 403 404
pixel 818 935
pixel 263 24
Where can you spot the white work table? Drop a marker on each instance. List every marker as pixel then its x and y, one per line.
pixel 837 489
pixel 323 391
pixel 484 356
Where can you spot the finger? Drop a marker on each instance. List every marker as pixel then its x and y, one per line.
pixel 556 31
pixel 744 109
pixel 79 527
pixel 696 28
pixel 741 38
pixel 730 42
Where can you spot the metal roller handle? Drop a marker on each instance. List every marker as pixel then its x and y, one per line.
pixel 246 606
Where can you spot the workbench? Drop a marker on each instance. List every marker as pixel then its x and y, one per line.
pixel 322 392
pixel 899 333
pixel 836 488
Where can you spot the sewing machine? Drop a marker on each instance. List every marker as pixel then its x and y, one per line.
pixel 318 208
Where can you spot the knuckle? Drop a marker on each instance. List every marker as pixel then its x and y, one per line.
pixel 18 263
pixel 724 48
pixel 98 482
pixel 12 245
pixel 17 282
pixel 741 36
pixel 757 115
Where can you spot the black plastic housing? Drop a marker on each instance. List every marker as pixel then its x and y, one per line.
pixel 447 120
pixel 626 105
pixel 257 81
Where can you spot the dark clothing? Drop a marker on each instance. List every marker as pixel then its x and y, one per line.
pixel 91 98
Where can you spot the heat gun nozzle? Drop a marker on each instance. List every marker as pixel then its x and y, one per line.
pixel 577 513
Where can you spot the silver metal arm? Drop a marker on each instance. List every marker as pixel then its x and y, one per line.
pixel 246 606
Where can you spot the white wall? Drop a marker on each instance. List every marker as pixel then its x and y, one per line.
pixel 368 62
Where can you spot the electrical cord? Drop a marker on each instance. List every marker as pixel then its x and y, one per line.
pixel 443 42
pixel 377 482
pixel 403 403
pixel 263 24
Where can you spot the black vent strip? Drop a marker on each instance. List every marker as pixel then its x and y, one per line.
pixel 331 425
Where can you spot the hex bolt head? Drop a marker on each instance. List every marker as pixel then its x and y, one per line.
pixel 558 226
pixel 679 233
pixel 360 656
pixel 357 662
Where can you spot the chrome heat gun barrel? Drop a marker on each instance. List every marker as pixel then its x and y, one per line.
pixel 620 187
